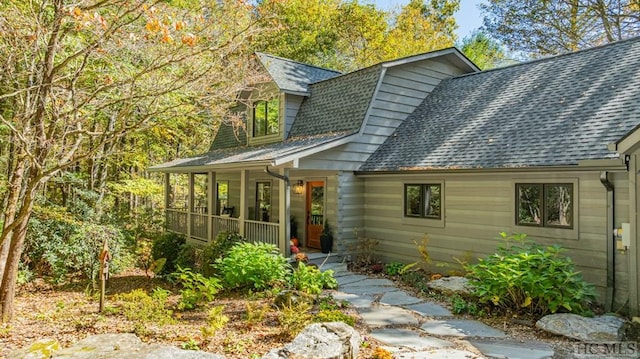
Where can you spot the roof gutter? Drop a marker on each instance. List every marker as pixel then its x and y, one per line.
pixel 287 210
pixel 611 240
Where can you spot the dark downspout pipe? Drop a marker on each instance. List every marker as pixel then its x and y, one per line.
pixel 611 241
pixel 287 221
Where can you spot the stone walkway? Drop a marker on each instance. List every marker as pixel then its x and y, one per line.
pixel 412 327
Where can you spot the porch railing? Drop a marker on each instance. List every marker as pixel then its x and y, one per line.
pixel 264 232
pixel 176 221
pixel 224 224
pixel 199 228
pixel 254 231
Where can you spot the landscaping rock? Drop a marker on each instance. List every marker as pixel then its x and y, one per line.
pixel 629 332
pixel 41 349
pixel 602 328
pixel 334 340
pixel 454 284
pixel 112 346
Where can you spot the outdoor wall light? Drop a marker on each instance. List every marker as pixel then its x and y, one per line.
pixel 298 188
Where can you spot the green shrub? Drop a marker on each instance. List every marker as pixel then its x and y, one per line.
pixel 58 245
pixel 196 288
pixel 334 315
pixel 217 249
pixel 397 268
pixel 311 280
pixel 138 306
pixel 216 320
pixel 293 319
pixel 393 268
pixel 168 246
pixel 189 256
pixel 460 305
pixel 525 277
pixel 253 266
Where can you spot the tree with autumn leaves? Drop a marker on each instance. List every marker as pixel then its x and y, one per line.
pixel 79 76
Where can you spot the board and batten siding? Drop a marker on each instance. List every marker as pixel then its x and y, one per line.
pixel 401 90
pixel 477 207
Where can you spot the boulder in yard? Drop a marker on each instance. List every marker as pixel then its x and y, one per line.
pixel 452 284
pixel 597 329
pixel 334 340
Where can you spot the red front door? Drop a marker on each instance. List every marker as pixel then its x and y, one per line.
pixel 315 213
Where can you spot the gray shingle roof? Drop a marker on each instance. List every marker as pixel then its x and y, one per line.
pixel 336 105
pixel 228 136
pixel 550 112
pixel 292 76
pixel 251 153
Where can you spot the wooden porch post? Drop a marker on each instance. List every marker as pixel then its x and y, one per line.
pixel 212 202
pixel 190 203
pixel 244 174
pixel 167 190
pixel 284 213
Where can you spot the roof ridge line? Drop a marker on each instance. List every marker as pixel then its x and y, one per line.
pixel 298 62
pixel 552 57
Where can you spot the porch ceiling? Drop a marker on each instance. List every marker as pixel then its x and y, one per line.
pixel 271 154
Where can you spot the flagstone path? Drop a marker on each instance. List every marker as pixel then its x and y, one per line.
pixel 412 327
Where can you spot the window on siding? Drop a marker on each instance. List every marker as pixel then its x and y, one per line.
pixel 263 201
pixel 544 204
pixel 422 200
pixel 266 116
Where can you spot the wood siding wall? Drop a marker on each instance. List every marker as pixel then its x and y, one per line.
pixel 402 89
pixel 291 106
pixel 476 207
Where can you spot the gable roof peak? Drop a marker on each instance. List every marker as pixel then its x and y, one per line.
pixel 292 76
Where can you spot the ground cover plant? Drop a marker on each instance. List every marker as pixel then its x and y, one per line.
pixel 233 314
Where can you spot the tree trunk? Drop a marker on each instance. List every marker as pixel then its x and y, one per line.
pixel 10 209
pixel 9 279
pixel 14 233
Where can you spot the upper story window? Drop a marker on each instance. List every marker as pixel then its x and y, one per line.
pixel 266 115
pixel 544 204
pixel 422 200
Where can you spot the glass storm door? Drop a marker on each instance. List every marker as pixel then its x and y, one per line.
pixel 315 213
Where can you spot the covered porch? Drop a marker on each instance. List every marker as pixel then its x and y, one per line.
pixel 261 204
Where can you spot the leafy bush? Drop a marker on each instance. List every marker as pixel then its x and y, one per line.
pixel 460 305
pixel 253 265
pixel 397 268
pixel 168 246
pixel 311 280
pixel 196 288
pixel 215 321
pixel 334 315
pixel 138 306
pixel 217 249
pixel 189 256
pixel 393 268
pixel 293 319
pixel 524 276
pixel 255 312
pixel 59 245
